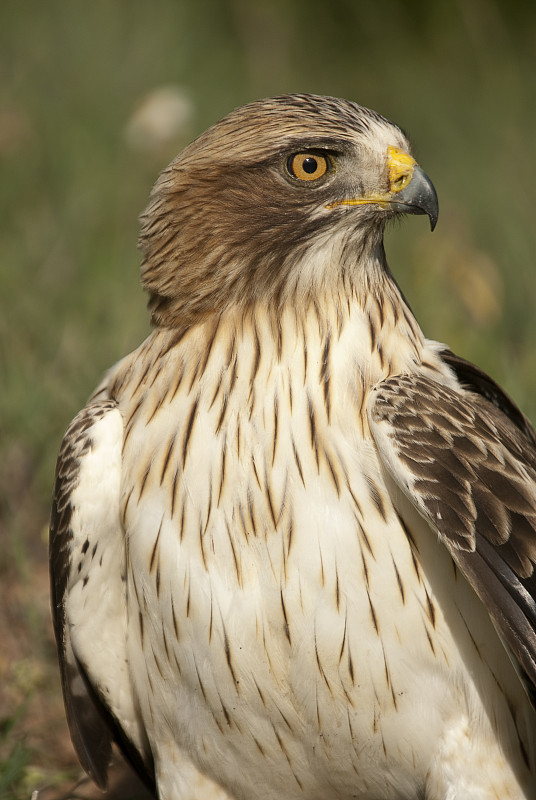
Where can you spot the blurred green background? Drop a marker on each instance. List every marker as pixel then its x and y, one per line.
pixel 95 99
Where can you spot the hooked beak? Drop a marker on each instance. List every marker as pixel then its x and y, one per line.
pixel 410 189
pixel 418 197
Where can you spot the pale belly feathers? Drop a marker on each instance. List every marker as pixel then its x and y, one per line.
pixel 297 639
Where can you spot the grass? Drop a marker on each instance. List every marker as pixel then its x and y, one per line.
pixel 15 756
pixel 458 76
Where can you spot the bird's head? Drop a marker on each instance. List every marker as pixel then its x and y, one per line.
pixel 282 200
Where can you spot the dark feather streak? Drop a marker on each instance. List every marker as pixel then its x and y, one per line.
pixel 189 428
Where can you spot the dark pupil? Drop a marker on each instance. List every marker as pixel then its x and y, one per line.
pixel 310 165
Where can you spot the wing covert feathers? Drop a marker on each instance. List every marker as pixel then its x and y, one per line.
pixel 477 381
pixel 470 472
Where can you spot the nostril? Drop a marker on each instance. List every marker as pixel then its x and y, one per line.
pixel 400 182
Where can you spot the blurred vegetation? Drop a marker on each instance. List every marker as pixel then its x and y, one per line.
pixel 76 167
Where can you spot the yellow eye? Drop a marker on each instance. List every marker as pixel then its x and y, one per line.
pixel 307 166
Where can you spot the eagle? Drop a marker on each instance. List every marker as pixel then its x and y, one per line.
pixel 293 540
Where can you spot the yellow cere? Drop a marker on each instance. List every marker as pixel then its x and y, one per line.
pixel 400 166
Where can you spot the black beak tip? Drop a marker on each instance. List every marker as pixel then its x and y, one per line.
pixel 419 197
pixel 425 196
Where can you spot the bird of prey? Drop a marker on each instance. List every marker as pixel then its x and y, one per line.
pixel 293 540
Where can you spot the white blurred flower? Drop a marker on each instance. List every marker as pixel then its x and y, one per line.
pixel 163 116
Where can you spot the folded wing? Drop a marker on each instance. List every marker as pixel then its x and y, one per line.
pixel 466 459
pixel 87 568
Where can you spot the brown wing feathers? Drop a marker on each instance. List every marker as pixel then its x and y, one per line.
pixel 469 470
